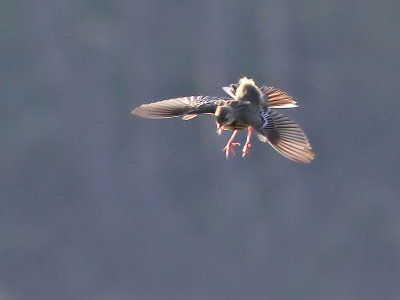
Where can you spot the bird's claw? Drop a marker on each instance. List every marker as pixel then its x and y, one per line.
pixel 245 149
pixel 228 148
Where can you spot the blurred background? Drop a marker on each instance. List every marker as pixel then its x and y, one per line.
pixel 99 204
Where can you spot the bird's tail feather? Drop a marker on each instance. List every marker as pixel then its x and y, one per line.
pixel 286 137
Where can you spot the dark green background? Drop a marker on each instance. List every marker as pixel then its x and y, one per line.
pixel 98 204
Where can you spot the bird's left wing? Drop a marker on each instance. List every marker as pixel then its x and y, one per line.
pixel 188 107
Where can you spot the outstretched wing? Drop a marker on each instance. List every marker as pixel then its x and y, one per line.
pixel 231 89
pixel 273 98
pixel 285 136
pixel 188 107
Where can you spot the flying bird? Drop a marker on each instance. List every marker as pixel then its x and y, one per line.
pixel 248 107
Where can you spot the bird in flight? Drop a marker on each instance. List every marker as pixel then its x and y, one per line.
pixel 248 107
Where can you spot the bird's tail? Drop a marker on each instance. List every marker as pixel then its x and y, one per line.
pixel 164 109
pixel 286 137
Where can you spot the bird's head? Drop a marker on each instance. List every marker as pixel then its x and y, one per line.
pixel 248 91
pixel 224 116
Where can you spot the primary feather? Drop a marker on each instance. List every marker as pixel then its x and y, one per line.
pixel 180 107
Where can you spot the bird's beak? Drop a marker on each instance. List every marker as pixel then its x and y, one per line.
pixel 220 128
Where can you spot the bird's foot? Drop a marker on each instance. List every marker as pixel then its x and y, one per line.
pixel 228 148
pixel 245 149
pixel 247 145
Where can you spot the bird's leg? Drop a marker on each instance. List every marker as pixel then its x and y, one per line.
pixel 247 145
pixel 228 148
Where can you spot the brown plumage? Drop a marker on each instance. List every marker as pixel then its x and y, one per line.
pixel 249 108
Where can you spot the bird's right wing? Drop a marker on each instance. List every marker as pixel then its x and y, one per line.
pixel 188 107
pixel 285 136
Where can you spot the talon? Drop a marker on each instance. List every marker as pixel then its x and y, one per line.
pixel 228 148
pixel 246 146
pixel 245 149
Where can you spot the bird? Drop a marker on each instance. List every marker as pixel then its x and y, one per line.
pixel 247 107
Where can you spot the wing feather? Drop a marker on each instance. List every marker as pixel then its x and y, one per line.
pixel 285 136
pixel 273 98
pixel 188 107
